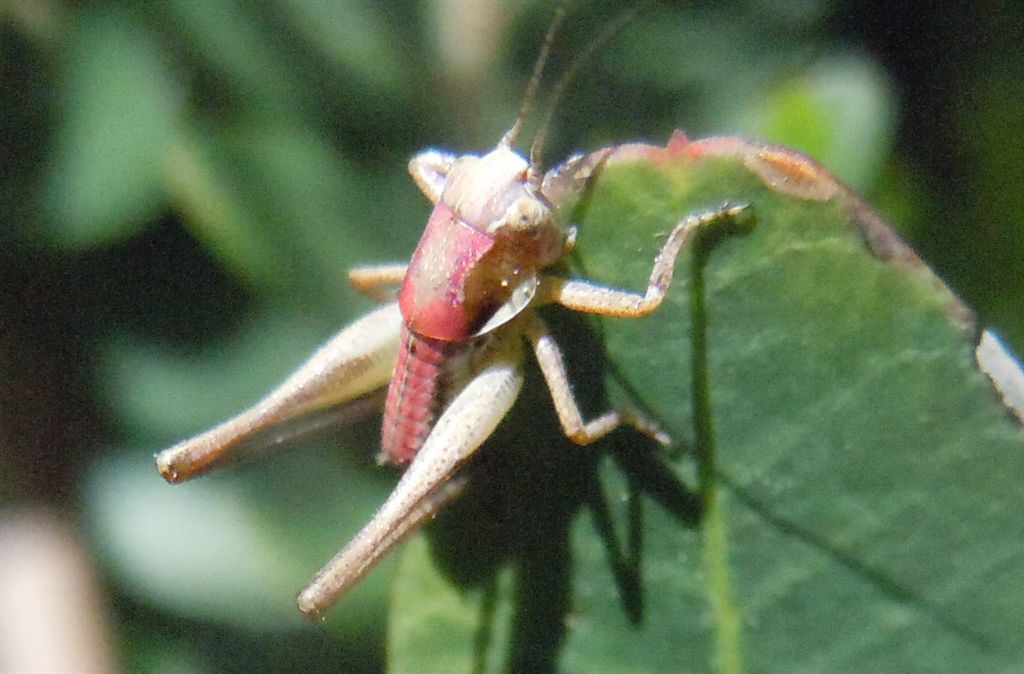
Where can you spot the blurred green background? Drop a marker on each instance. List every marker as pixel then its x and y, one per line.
pixel 185 184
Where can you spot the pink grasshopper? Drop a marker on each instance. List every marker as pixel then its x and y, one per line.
pixel 452 345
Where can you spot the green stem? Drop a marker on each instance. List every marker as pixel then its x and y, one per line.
pixel 728 655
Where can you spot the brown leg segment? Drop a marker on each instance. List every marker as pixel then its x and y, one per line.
pixel 377 281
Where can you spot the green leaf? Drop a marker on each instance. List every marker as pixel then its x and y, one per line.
pixel 220 217
pixel 235 550
pixel 862 514
pixel 234 41
pixel 351 35
pixel 120 113
pixel 324 216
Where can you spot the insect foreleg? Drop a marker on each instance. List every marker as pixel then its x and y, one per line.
pixel 429 170
pixel 468 420
pixel 549 357
pixel 358 360
pixel 590 297
pixel 373 280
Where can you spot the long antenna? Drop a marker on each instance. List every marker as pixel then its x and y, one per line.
pixel 512 134
pixel 558 91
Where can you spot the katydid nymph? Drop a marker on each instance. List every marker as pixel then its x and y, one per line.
pixel 453 344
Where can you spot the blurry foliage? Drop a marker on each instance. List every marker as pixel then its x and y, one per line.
pixel 184 185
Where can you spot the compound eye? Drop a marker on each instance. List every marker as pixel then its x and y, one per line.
pixel 524 214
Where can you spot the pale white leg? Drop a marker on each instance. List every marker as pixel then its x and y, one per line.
pixel 593 298
pixel 356 361
pixel 549 357
pixel 429 170
pixel 469 420
pixel 377 281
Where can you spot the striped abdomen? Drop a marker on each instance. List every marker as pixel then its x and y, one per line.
pixel 418 388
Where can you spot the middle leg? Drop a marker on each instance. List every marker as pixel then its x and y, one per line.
pixel 552 366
